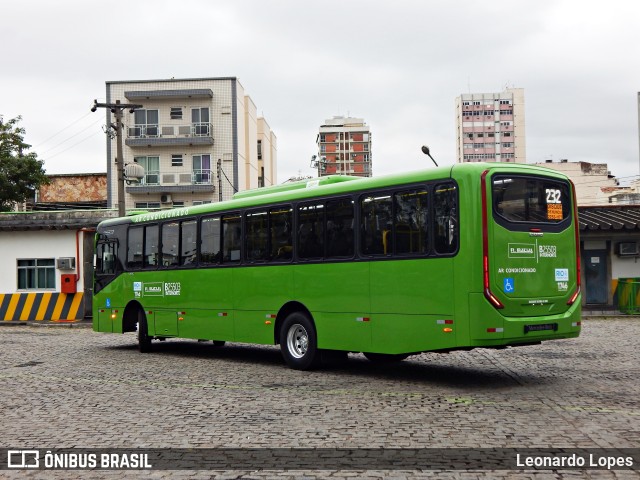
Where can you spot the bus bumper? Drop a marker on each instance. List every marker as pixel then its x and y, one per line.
pixel 489 327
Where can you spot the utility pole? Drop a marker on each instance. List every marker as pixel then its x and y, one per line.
pixel 219 180
pixel 116 109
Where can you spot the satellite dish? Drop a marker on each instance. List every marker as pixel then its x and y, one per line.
pixel 133 172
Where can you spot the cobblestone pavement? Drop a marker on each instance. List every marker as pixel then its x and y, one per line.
pixel 72 387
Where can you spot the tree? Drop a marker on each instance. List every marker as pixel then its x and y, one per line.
pixel 21 173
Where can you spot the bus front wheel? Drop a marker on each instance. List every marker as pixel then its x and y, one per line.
pixel 144 340
pixel 298 342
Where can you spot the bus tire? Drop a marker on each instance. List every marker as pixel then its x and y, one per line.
pixel 144 340
pixel 385 357
pixel 298 342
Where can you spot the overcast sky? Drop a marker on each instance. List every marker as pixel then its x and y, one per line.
pixel 399 65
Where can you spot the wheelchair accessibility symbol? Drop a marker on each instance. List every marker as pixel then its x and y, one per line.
pixel 508 285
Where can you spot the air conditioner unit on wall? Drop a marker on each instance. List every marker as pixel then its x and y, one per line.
pixel 165 198
pixel 628 248
pixel 66 263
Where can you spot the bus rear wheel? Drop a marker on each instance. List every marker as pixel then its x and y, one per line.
pixel 385 357
pixel 144 340
pixel 298 342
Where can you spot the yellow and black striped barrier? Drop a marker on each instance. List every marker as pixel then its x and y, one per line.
pixel 52 306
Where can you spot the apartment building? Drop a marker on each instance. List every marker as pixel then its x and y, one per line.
pixel 594 183
pixel 490 127
pixel 198 140
pixel 344 147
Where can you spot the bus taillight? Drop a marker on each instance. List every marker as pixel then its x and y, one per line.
pixel 576 223
pixel 485 246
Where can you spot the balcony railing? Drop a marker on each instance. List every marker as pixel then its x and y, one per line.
pixel 170 131
pixel 194 177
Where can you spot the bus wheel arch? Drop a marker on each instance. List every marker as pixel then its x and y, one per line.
pixel 286 310
pixel 130 317
pixel 298 339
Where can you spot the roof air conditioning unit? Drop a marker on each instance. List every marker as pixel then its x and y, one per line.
pixel 165 198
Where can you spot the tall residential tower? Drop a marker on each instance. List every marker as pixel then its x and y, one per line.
pixel 490 127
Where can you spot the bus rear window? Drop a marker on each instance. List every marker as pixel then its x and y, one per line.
pixel 528 199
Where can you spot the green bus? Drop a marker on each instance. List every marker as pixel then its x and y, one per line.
pixel 460 257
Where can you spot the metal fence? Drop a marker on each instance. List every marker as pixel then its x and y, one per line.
pixel 628 290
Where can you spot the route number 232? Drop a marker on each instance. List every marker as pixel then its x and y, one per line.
pixel 553 195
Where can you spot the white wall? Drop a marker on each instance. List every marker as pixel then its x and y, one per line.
pixel 251 170
pixel 623 266
pixel 35 244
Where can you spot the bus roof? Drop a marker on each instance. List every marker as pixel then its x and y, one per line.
pixel 289 186
pixel 331 185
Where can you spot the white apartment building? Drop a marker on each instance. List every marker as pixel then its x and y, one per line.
pixel 199 140
pixel 595 185
pixel 490 127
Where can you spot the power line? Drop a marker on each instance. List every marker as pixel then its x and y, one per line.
pixel 71 137
pixel 235 190
pixel 75 144
pixel 65 128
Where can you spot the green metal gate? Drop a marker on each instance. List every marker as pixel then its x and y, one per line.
pixel 628 290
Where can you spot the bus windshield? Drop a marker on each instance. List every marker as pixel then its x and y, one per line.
pixel 530 200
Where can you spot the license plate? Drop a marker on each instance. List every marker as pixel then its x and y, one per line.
pixel 541 327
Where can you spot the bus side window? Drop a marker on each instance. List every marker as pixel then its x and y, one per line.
pixel 446 218
pixel 411 222
pixel 280 222
pixel 170 244
pixel 106 255
pixel 231 238
pixel 376 228
pixel 134 247
pixel 210 252
pixel 188 243
pixel 151 245
pixel 311 231
pixel 256 238
pixel 340 218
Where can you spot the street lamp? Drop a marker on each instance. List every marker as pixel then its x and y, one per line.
pixel 319 163
pixel 116 109
pixel 426 151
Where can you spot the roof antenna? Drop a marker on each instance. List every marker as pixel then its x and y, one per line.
pixel 425 150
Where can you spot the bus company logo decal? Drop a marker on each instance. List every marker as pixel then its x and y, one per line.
pixel 521 250
pixel 547 251
pixel 562 275
pixel 172 288
pixel 156 289
pixel 152 289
